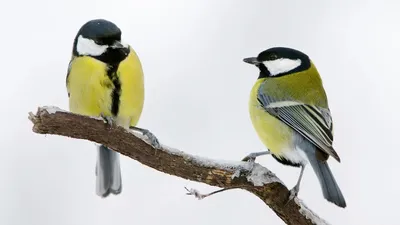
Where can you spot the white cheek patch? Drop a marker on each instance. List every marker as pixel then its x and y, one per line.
pixel 279 66
pixel 86 46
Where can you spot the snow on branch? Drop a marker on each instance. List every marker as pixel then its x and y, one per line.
pixel 252 177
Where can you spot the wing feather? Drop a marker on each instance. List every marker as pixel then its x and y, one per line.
pixel 68 71
pixel 312 122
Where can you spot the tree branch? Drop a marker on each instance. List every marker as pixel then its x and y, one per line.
pixel 253 177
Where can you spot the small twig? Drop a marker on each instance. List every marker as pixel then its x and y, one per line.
pixel 200 196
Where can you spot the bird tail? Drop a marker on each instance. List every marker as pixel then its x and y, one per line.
pixel 330 188
pixel 108 172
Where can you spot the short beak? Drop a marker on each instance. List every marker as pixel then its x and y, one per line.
pixel 251 60
pixel 120 47
pixel 117 45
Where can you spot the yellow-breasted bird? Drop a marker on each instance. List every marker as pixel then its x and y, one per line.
pixel 105 78
pixel 290 113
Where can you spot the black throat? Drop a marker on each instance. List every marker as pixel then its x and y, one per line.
pixel 263 71
pixel 113 56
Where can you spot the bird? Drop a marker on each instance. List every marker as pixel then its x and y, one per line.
pixel 105 79
pixel 289 111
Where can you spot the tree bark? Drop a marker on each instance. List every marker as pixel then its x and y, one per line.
pixel 252 177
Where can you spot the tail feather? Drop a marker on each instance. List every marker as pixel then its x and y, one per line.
pixel 108 172
pixel 330 188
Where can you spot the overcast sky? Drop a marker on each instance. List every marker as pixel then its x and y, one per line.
pixel 197 90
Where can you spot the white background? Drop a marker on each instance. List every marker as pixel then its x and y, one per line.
pixel 197 88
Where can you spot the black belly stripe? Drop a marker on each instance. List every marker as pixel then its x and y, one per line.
pixel 116 92
pixel 286 161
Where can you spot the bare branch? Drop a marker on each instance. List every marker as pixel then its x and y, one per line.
pixel 253 177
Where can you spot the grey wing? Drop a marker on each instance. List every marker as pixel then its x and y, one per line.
pixel 69 70
pixel 312 122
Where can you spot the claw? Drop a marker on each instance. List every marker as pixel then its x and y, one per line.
pixel 238 172
pixel 292 194
pixel 150 136
pixel 251 158
pixel 107 119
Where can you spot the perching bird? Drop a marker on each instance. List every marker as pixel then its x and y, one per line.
pixel 290 113
pixel 105 78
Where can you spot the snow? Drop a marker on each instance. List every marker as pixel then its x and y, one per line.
pixel 207 162
pixel 257 174
pixel 304 210
pixel 52 109
pixel 261 175
pixel 55 109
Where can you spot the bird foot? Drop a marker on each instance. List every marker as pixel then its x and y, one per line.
pixel 251 159
pixel 292 194
pixel 241 170
pixel 150 137
pixel 107 119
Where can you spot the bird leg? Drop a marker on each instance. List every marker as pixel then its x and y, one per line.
pixel 252 156
pixel 150 136
pixel 295 190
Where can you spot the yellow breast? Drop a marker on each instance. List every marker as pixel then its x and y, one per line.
pixel 90 88
pixel 274 134
pixel 132 95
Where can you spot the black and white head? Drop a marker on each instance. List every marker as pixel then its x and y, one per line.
pixel 100 39
pixel 280 61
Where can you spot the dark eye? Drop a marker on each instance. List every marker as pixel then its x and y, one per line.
pixel 108 40
pixel 98 41
pixel 273 56
pixel 105 40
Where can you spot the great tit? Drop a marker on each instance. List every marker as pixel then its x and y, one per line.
pixel 290 113
pixel 105 78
